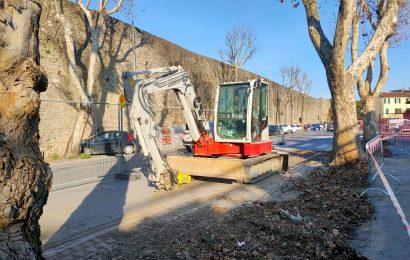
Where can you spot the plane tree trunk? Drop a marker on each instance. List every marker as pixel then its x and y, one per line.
pixel 346 142
pixel 369 118
pixel 25 179
pixel 342 78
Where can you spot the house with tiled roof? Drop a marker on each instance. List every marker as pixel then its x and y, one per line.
pixel 391 103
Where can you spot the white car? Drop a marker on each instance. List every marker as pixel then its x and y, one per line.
pixel 287 129
pixel 297 128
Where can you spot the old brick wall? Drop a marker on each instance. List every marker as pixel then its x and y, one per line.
pixel 57 118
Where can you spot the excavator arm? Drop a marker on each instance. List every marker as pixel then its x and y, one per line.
pixel 142 114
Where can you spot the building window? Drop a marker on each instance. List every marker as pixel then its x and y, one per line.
pixel 385 100
pixel 389 101
pixel 387 110
pixel 407 100
pixel 397 111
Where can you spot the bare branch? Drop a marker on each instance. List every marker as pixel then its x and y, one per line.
pixel 115 8
pixel 240 46
pixel 72 66
pixel 321 43
pixel 385 28
pixel 303 85
pixel 369 14
pixel 290 75
pixel 342 32
pixel 384 69
pixel 86 12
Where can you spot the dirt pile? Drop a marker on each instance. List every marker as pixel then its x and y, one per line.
pixel 315 225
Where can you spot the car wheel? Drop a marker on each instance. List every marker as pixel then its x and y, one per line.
pixel 128 149
pixel 188 148
pixel 88 151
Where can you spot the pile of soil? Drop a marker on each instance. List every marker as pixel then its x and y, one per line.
pixel 315 225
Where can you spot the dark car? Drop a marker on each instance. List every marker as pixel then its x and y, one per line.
pixel 109 142
pixel 307 127
pixel 330 127
pixel 275 130
pixel 317 127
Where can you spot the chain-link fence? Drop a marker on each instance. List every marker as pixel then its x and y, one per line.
pixel 102 144
pixel 105 150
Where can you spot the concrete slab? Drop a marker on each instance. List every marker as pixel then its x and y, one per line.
pixel 240 170
pixel 384 237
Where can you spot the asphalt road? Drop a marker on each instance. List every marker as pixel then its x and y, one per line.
pixel 314 141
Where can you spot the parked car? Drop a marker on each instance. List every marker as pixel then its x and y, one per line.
pixel 187 138
pixel 109 142
pixel 330 127
pixel 275 130
pixel 317 127
pixel 297 128
pixel 287 129
pixel 307 127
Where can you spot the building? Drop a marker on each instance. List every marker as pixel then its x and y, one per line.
pixel 395 102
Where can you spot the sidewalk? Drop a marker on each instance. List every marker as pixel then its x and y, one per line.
pixel 384 237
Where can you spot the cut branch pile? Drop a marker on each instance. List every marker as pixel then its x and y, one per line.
pixel 315 225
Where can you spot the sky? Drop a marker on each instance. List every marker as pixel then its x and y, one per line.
pixel 282 36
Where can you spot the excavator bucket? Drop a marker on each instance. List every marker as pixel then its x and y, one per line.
pixel 240 170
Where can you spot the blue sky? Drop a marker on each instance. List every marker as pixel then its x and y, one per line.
pixel 200 26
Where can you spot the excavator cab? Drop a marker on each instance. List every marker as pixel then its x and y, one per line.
pixel 241 114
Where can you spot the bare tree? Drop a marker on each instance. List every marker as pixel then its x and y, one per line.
pixel 95 23
pixel 289 76
pixel 342 77
pixel 25 178
pixel 371 12
pixel 239 47
pixel 303 86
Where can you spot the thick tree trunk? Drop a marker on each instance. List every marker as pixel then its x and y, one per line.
pixel 25 178
pixel 346 141
pixel 369 119
pixel 73 144
pixel 72 65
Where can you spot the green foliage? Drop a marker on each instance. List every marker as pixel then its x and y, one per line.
pixel 54 157
pixel 359 110
pixel 85 156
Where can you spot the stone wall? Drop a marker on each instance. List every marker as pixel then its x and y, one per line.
pixel 57 118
